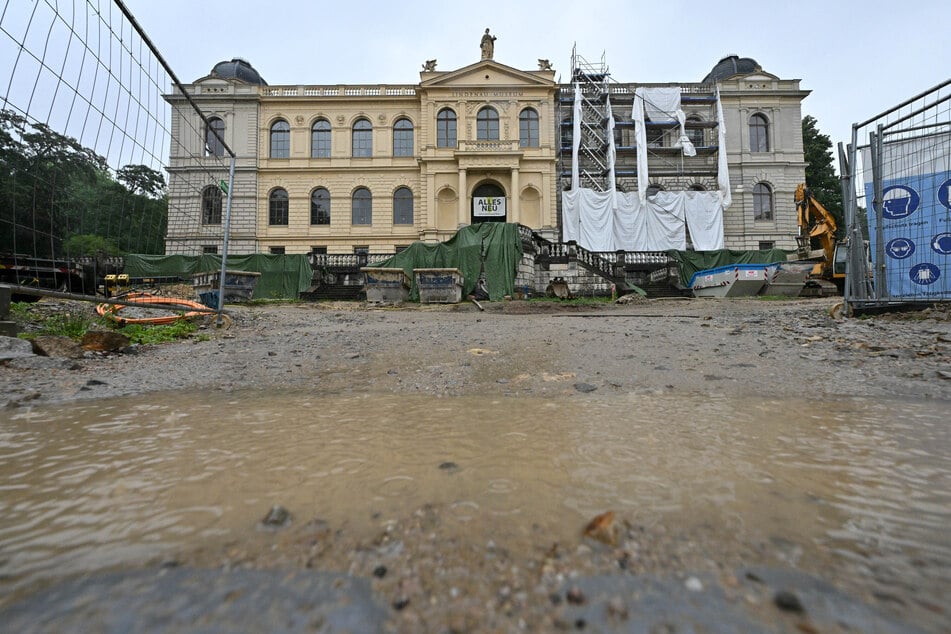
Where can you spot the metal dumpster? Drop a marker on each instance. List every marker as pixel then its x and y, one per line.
pixel 439 286
pixel 734 280
pixel 239 286
pixel 386 285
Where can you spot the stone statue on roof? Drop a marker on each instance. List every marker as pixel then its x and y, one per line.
pixel 429 65
pixel 487 45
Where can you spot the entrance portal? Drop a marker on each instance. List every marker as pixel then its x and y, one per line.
pixel 488 203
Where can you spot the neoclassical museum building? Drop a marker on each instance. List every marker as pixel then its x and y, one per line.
pixel 372 168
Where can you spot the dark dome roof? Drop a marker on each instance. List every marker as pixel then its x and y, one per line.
pixel 238 68
pixel 730 66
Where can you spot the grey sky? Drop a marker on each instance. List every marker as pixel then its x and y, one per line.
pixel 857 58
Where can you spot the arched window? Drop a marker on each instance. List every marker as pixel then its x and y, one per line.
pixel 320 139
pixel 362 136
pixel 694 134
pixel 280 139
pixel 403 206
pixel 446 128
pixel 697 187
pixel 487 124
pixel 528 128
pixel 320 207
pixel 211 205
pixel 214 146
pixel 652 189
pixel 759 133
pixel 277 207
pixel 403 138
pixel 362 207
pixel 762 202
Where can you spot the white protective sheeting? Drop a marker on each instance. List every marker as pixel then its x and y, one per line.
pixel 612 149
pixel 640 140
pixel 704 214
pixel 660 104
pixel 611 221
pixel 723 164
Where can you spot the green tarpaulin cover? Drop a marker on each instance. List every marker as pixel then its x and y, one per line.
pixel 693 261
pixel 282 276
pixel 499 241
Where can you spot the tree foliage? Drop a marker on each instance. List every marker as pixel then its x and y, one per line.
pixel 59 199
pixel 820 171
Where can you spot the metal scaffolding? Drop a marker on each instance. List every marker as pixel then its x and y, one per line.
pixel 591 81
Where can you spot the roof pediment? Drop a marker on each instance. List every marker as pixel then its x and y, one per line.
pixel 487 73
pixel 762 76
pixel 214 80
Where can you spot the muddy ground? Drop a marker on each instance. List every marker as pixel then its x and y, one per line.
pixel 411 581
pixel 733 347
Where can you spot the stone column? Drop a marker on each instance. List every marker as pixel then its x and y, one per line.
pixel 516 214
pixel 463 199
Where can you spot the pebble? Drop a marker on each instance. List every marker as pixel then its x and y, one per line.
pixel 693 584
pixel 788 601
pixel 277 517
pixel 575 596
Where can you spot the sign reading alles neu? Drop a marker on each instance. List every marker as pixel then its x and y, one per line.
pixel 489 207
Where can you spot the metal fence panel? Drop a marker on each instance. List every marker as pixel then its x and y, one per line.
pixel 898 171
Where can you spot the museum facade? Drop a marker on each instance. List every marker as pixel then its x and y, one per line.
pixel 373 168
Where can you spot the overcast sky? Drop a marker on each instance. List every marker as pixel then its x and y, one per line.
pixel 858 58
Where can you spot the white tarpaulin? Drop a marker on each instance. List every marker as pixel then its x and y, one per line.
pixel 640 140
pixel 612 149
pixel 576 139
pixel 660 104
pixel 723 164
pixel 611 221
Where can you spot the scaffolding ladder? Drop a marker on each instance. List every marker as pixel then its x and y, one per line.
pixel 593 160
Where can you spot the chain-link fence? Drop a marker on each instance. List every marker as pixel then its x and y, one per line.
pixel 85 134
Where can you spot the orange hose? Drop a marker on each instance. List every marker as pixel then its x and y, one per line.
pixel 110 311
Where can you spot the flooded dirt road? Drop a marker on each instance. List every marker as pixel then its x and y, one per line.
pixel 458 482
pixel 859 493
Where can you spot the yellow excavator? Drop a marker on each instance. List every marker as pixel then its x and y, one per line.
pixel 816 222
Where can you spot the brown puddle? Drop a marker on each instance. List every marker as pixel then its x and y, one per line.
pixel 864 486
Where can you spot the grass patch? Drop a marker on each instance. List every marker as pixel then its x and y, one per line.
pixel 65 325
pixel 142 334
pixel 36 322
pixel 262 301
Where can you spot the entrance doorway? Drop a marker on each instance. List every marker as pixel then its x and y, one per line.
pixel 488 203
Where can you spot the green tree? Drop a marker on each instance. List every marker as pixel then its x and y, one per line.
pixel 53 189
pixel 89 245
pixel 142 179
pixel 821 178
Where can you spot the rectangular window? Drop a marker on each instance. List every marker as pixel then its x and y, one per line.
pixel 446 133
pixel 320 139
pixel 766 245
pixel 403 138
pixel 695 136
pixel 655 137
pixel 209 248
pixel 566 136
pixel 318 250
pixel 277 250
pixel 361 250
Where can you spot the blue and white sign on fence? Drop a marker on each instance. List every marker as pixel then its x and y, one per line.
pixel 915 218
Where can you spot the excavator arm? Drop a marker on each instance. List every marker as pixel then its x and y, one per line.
pixel 815 221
